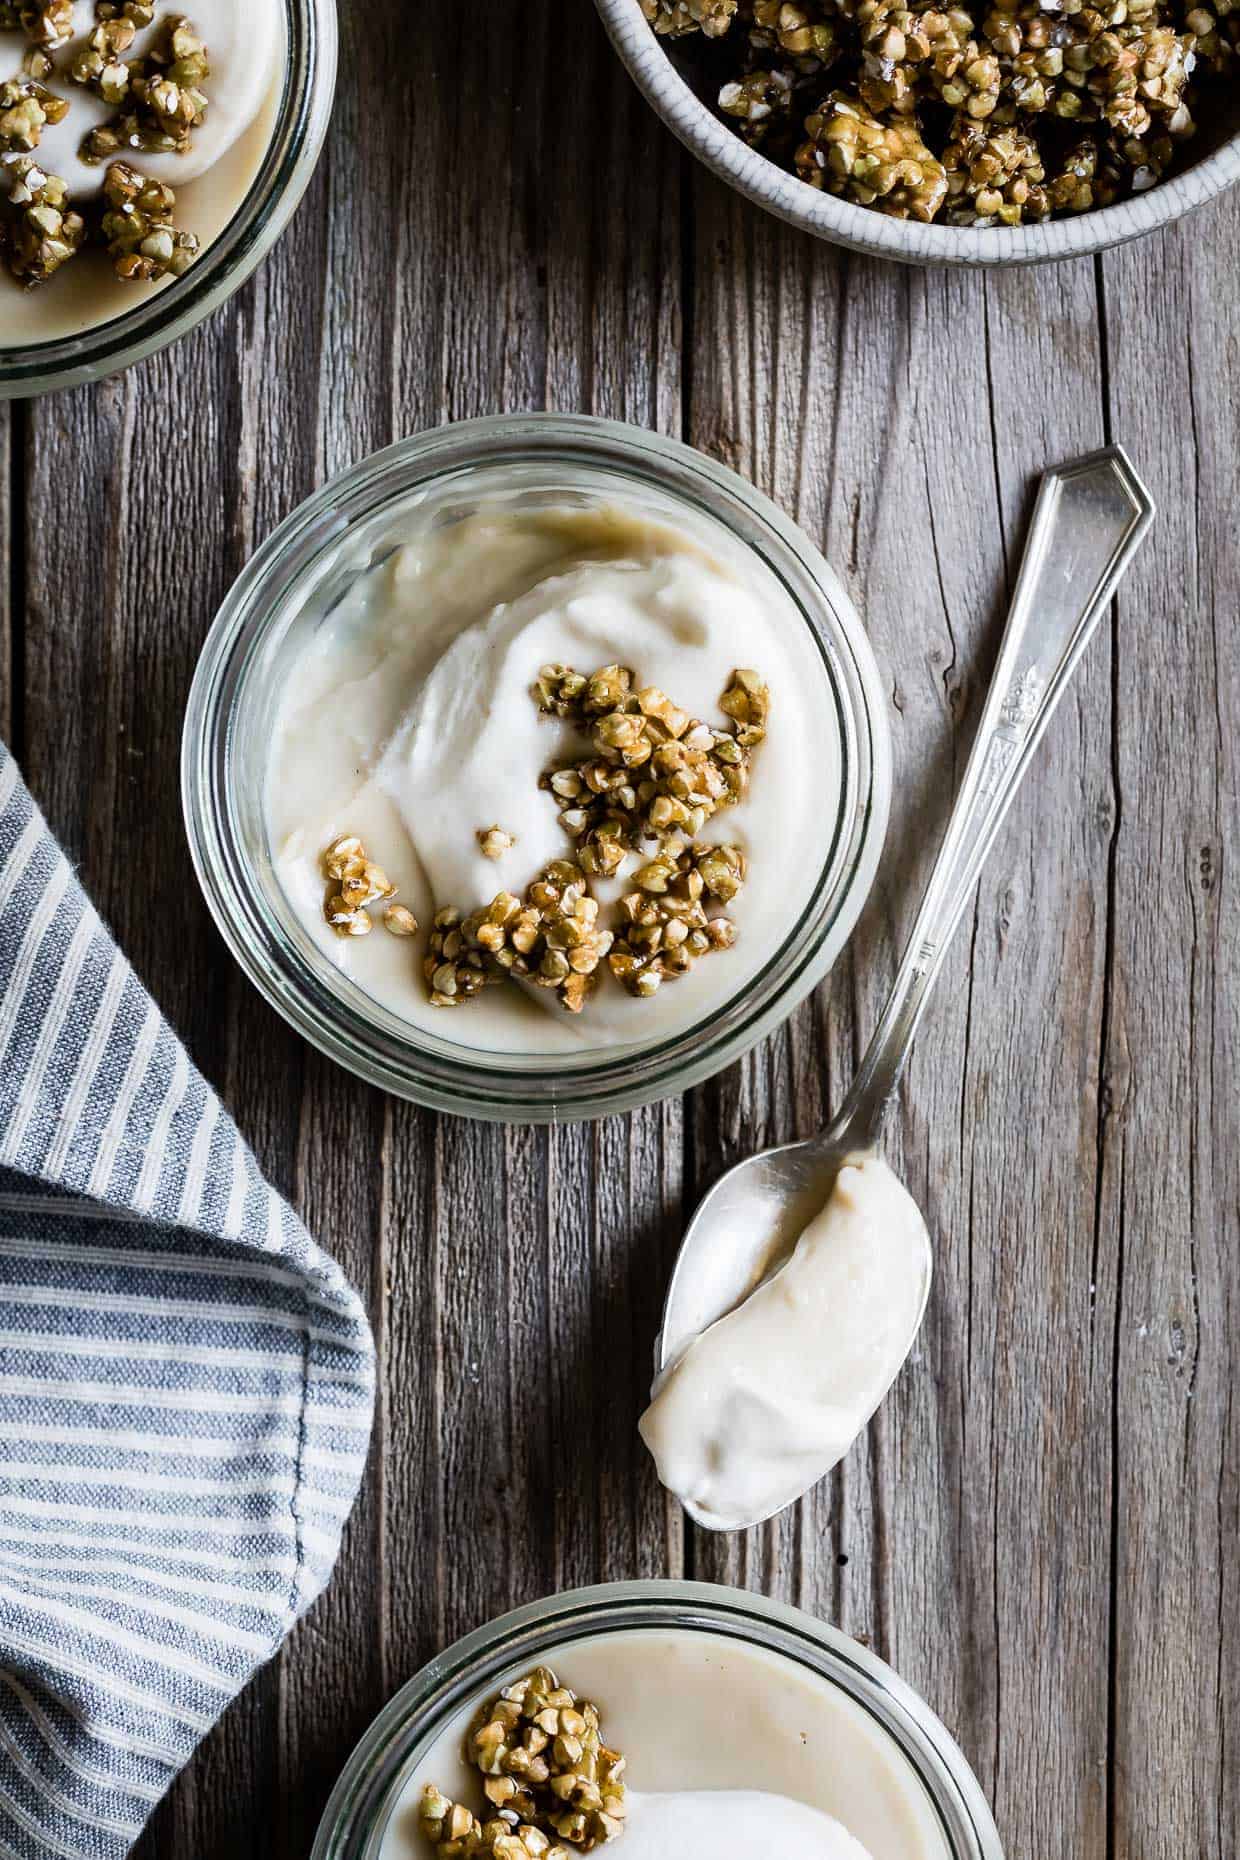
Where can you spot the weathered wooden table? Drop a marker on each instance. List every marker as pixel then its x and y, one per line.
pixel 1040 1529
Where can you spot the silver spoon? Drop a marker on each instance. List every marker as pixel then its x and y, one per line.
pixel 1090 516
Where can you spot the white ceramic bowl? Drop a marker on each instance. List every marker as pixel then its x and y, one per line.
pixel 654 71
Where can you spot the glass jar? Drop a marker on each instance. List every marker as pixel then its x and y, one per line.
pixel 920 1749
pixel 161 316
pixel 306 568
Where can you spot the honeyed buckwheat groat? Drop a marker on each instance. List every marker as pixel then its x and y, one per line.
pixel 137 227
pixel 159 99
pixel 43 231
pixel 997 112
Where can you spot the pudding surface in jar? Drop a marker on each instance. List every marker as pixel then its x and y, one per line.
pixel 246 48
pixel 728 1748
pixel 409 718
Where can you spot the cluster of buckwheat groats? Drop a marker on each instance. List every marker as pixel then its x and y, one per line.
pixel 157 101
pixel 633 802
pixel 995 112
pixel 551 1787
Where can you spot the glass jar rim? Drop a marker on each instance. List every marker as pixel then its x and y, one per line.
pixel 380 1764
pixel 375 1044
pixel 296 142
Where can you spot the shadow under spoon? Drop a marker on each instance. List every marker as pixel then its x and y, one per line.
pixel 1090 516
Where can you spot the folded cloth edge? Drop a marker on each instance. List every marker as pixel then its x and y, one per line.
pixel 138 1237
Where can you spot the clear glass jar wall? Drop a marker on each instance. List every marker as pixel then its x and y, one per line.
pixel 307 565
pixel 369 1789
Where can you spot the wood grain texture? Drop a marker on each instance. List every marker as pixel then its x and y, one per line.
pixel 1170 1204
pixel 1039 1527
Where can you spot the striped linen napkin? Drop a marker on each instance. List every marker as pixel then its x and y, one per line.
pixel 186 1382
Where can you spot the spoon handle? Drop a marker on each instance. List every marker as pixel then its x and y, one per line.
pixel 1089 518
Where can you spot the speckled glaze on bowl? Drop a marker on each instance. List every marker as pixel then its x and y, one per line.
pixel 861 229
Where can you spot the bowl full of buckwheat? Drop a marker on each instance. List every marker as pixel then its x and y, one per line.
pixel 984 132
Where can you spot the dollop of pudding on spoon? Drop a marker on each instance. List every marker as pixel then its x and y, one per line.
pixel 769 1398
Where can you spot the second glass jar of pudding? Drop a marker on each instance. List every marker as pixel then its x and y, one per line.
pixel 744 1726
pixel 386 669
pixel 268 97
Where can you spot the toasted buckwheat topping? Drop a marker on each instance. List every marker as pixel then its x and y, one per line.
pixel 550 937
pixel 42 231
pixel 25 107
pixel 993 176
pixel 651 778
pixel 159 98
pixel 140 12
pixel 400 920
pixel 851 152
pixel 876 102
pixel 664 925
pixel 138 229
pixel 652 770
pixel 550 1786
pixel 47 23
pixel 353 882
pixel 494 842
pixel 713 17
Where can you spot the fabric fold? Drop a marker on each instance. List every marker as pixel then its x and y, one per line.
pixel 186 1382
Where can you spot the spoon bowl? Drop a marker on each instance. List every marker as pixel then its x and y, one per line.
pixel 743 1232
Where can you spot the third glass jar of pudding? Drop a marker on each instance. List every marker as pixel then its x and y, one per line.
pixel 536 767
pixel 672 1717
pixel 149 158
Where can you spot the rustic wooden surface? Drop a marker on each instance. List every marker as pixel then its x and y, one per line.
pixel 1040 1529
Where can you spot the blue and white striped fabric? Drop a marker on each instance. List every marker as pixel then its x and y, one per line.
pixel 186 1382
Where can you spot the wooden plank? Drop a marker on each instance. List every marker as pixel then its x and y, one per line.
pixel 891 412
pixel 1032 1367
pixel 1171 1184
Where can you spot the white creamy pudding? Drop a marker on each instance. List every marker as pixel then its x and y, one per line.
pixel 727 1747
pixel 698 1824
pixel 769 1398
pixel 245 44
pixel 409 717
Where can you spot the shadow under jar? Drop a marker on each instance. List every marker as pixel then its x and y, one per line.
pixel 702 1690
pixel 84 323
pixel 513 1052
